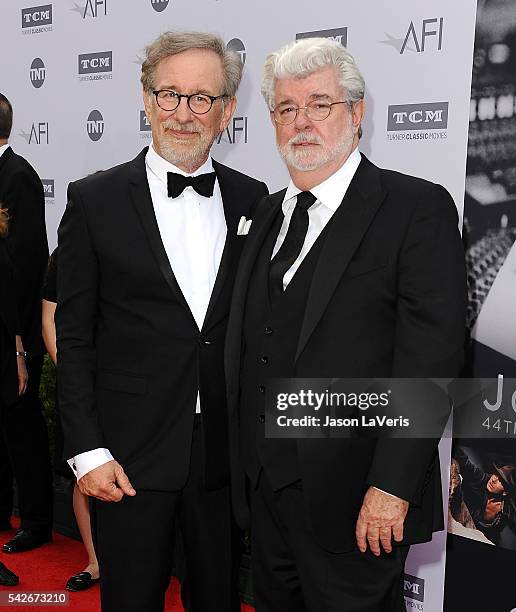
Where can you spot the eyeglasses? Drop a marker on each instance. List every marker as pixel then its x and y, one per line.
pixel 198 103
pixel 317 110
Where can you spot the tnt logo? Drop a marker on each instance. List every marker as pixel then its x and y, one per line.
pixel 48 188
pixel 90 63
pixel 414 587
pixel 429 116
pixel 36 16
pixel 95 125
pixel 235 44
pixel 340 35
pixel 159 5
pixel 145 125
pixel 37 72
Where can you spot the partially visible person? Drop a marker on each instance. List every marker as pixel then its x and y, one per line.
pixel 90 575
pixel 488 496
pixel 21 193
pixel 13 373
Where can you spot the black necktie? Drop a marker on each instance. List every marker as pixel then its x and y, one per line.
pixel 293 243
pixel 202 183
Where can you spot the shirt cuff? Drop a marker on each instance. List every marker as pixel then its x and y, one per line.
pixel 85 462
pixel 386 493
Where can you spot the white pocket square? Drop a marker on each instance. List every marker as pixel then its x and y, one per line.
pixel 244 225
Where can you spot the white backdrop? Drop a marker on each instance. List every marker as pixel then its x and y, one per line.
pixel 85 55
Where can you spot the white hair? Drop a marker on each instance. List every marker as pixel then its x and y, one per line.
pixel 301 58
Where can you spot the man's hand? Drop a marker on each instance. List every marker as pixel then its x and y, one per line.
pixel 108 482
pixel 23 377
pixel 492 510
pixel 380 518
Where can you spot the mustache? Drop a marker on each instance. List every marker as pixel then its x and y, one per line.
pixel 305 137
pixel 190 126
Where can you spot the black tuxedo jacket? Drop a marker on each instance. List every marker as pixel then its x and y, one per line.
pixel 9 327
pixel 387 298
pixel 131 357
pixel 21 192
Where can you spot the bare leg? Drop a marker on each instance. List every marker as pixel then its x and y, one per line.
pixel 82 514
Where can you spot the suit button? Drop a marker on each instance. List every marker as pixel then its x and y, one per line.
pixel 261 418
pixel 207 342
pixel 268 331
pixel 261 388
pixel 264 359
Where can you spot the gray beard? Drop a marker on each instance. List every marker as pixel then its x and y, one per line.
pixel 305 161
pixel 173 149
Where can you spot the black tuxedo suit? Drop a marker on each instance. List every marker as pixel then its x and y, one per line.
pixel 386 299
pixel 21 192
pixel 131 357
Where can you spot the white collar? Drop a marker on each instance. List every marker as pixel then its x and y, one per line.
pixel 331 191
pixel 3 149
pixel 160 166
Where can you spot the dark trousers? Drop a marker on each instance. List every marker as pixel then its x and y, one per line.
pixel 6 483
pixel 292 573
pixel 134 541
pixel 25 433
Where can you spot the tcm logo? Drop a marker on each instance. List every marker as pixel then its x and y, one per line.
pixel 235 44
pixel 95 125
pixel 48 188
pixel 92 63
pixel 414 588
pixel 235 132
pixel 37 72
pixel 159 5
pixel 429 116
pixel 38 133
pixel 37 18
pixel 92 8
pixel 145 125
pixel 416 37
pixel 340 35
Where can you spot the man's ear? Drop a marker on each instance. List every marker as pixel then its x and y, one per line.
pixel 147 103
pixel 358 113
pixel 229 108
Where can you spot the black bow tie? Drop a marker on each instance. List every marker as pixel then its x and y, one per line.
pixel 203 184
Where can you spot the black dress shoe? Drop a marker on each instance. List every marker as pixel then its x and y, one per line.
pixel 26 539
pixel 7 578
pixel 81 582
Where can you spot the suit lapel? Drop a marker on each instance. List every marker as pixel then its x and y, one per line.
pixel 142 202
pixel 357 210
pixel 232 214
pixel 8 153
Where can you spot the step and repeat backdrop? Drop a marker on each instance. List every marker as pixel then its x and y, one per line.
pixel 71 70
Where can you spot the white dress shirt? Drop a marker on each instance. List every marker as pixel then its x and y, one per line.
pixel 193 230
pixel 329 195
pixel 3 149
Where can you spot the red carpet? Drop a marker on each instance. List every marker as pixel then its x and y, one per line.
pixel 48 568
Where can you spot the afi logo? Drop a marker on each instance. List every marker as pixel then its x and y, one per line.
pixel 429 116
pixel 237 125
pixel 95 125
pixel 37 16
pixel 159 5
pixel 37 72
pixel 39 133
pixel 92 8
pixel 414 587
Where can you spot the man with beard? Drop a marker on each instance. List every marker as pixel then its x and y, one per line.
pixel 351 272
pixel 147 256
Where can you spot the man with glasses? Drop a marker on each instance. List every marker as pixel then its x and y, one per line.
pixel 350 272
pixel 147 256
